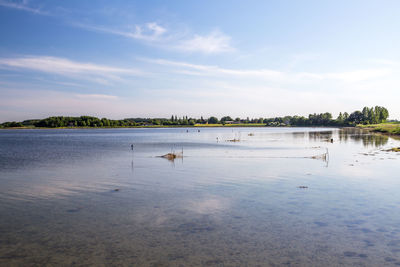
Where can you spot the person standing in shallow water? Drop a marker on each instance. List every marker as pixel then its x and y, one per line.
pixel 131 146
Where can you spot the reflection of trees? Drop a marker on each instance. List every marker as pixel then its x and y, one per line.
pixel 366 138
pixel 320 136
pixel 298 135
pixel 344 135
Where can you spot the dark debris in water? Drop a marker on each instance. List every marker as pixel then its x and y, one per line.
pixel 172 156
pixel 73 210
pixel 233 140
pixel 302 187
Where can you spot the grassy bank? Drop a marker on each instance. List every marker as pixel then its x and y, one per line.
pixel 384 128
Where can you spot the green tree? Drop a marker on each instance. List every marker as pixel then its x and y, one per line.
pixel 371 118
pixel 212 120
pixel 356 117
pixel 226 118
pixel 340 118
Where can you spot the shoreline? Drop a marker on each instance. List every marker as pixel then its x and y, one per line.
pixel 370 129
pixel 172 126
pixel 382 129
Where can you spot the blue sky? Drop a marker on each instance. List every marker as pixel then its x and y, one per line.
pixel 120 59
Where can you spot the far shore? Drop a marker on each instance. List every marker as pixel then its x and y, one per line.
pixel 387 129
pixel 242 125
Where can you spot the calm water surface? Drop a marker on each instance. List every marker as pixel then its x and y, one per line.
pixel 279 197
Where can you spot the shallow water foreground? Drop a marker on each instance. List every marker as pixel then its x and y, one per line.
pixel 276 197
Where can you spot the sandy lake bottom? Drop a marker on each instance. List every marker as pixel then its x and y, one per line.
pixel 276 197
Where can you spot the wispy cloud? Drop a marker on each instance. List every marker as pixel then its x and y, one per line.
pixel 358 75
pixel 22 5
pixel 215 70
pixel 66 67
pixel 215 42
pixel 44 103
pixel 269 74
pixel 96 96
pixel 154 34
pixel 387 62
pixel 149 32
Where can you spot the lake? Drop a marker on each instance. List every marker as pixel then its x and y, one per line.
pixel 275 197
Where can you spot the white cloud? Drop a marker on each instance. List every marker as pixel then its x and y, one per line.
pixel 215 42
pixel 358 75
pixel 269 74
pixel 387 62
pixel 266 92
pixel 193 89
pixel 22 6
pixel 21 104
pixel 156 35
pixel 150 32
pixel 215 70
pixel 66 67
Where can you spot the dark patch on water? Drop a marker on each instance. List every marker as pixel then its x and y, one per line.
pixel 389 259
pixel 159 264
pixel 349 254
pixel 352 254
pixel 394 243
pixel 73 210
pixel 321 224
pixel 368 243
pixel 214 262
pixel 366 230
pixel 194 228
pixel 173 257
pixel 355 222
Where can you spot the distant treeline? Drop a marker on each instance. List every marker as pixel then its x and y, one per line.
pixel 372 115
